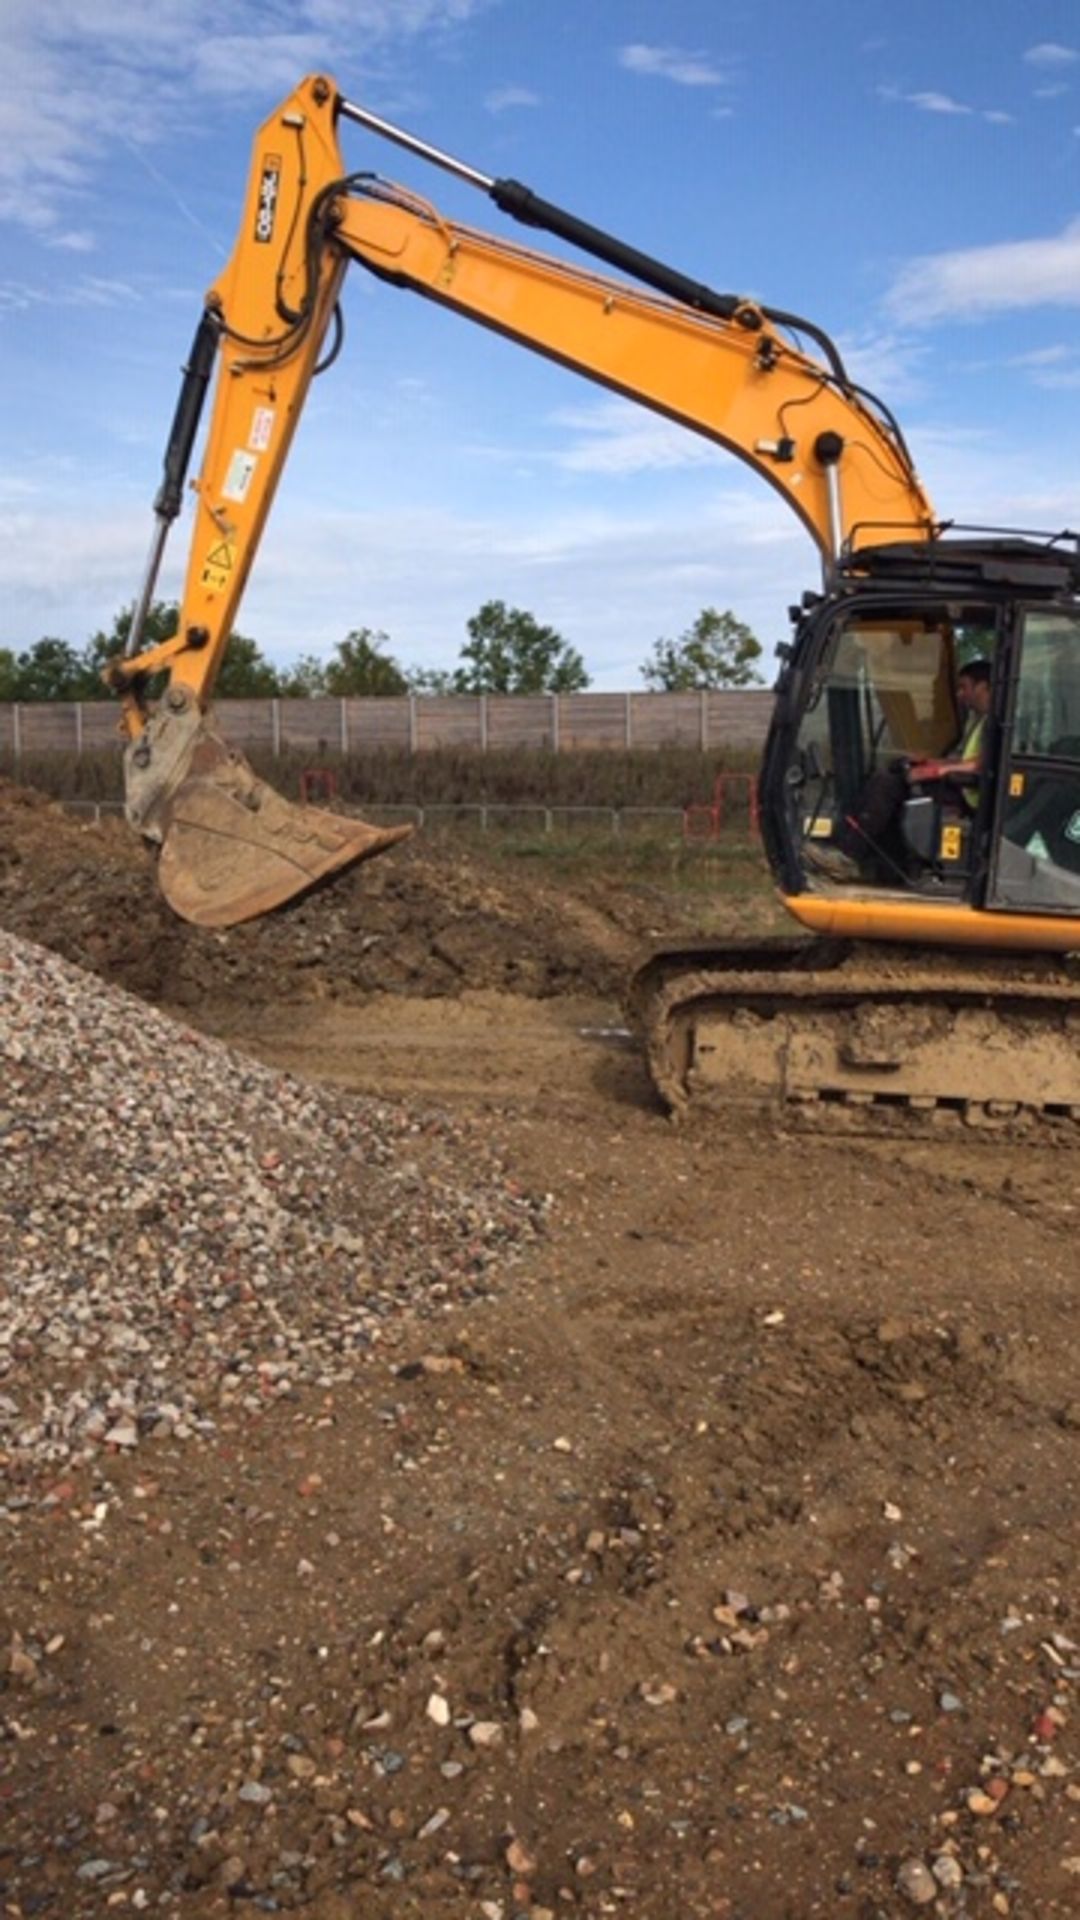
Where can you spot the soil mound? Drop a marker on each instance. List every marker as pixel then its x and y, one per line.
pixel 428 919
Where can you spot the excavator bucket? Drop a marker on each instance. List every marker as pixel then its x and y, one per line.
pixel 232 848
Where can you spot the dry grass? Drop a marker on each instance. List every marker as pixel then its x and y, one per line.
pixel 666 777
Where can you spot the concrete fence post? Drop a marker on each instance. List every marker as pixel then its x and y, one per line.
pixel 275 728
pixel 413 734
pixel 483 718
pixel 344 728
pixel 78 728
pixel 628 731
pixel 704 729
pixel 16 733
pixel 554 723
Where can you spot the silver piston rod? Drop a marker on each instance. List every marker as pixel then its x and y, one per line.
pixel 387 131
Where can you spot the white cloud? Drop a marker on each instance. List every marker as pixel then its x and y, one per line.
pixel 1052 92
pixel 886 364
pixel 88 291
pixel 234 66
pixel 610 579
pixel 974 281
pixel 613 436
pixel 82 75
pixel 936 103
pixel 1051 367
pixel 929 100
pixel 1059 379
pixel 1043 356
pixel 500 98
pixel 981 478
pixel 388 19
pixel 1050 53
pixel 73 240
pixel 670 63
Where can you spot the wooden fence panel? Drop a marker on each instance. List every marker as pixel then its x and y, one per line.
pixel 595 720
pixel 378 723
pixel 101 726
pixel 739 717
pixel 307 726
pixel 567 722
pixel 665 719
pixel 49 727
pixel 249 724
pixel 453 720
pixel 520 721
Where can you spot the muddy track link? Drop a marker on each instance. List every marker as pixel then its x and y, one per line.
pixel 854 1039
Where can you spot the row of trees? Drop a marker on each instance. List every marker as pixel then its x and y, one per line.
pixel 507 651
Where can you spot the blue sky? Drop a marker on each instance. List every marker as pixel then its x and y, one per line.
pixel 907 176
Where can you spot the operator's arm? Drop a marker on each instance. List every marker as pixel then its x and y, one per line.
pixel 920 771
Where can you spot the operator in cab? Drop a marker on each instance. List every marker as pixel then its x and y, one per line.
pixel 868 843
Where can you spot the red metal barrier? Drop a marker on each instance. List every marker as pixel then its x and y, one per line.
pixel 705 820
pixel 318 783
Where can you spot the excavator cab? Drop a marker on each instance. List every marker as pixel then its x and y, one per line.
pixel 870 693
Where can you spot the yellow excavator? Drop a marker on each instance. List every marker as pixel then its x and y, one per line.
pixel 938 981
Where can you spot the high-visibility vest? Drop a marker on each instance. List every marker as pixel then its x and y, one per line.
pixel 970 748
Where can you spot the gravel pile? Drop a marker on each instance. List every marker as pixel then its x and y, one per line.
pixel 183 1230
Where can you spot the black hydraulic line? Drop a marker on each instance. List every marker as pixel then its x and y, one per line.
pixel 828 346
pixel 169 497
pixel 522 204
pixel 525 205
pixel 189 406
pixel 336 343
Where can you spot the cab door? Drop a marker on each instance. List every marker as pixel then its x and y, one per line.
pixel 1035 864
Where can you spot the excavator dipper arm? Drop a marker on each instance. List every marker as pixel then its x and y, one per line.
pixel 721 366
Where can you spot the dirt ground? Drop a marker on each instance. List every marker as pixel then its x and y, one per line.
pixel 721 1563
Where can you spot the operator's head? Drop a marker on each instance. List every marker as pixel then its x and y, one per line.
pixel 973 686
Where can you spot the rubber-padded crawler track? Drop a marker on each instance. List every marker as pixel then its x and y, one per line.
pixel 860 1039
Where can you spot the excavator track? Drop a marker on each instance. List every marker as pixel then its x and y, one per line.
pixel 849 1038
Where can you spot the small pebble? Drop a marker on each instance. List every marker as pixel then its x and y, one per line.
pixel 916 1882
pixel 486 1733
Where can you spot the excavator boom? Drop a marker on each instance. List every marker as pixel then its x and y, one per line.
pixel 725 368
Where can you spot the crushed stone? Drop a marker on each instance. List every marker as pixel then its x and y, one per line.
pixel 182 1228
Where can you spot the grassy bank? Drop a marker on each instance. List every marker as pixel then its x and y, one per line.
pixel 666 777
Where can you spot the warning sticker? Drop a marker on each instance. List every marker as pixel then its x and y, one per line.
pixel 262 426
pixel 952 843
pixel 218 565
pixel 239 476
